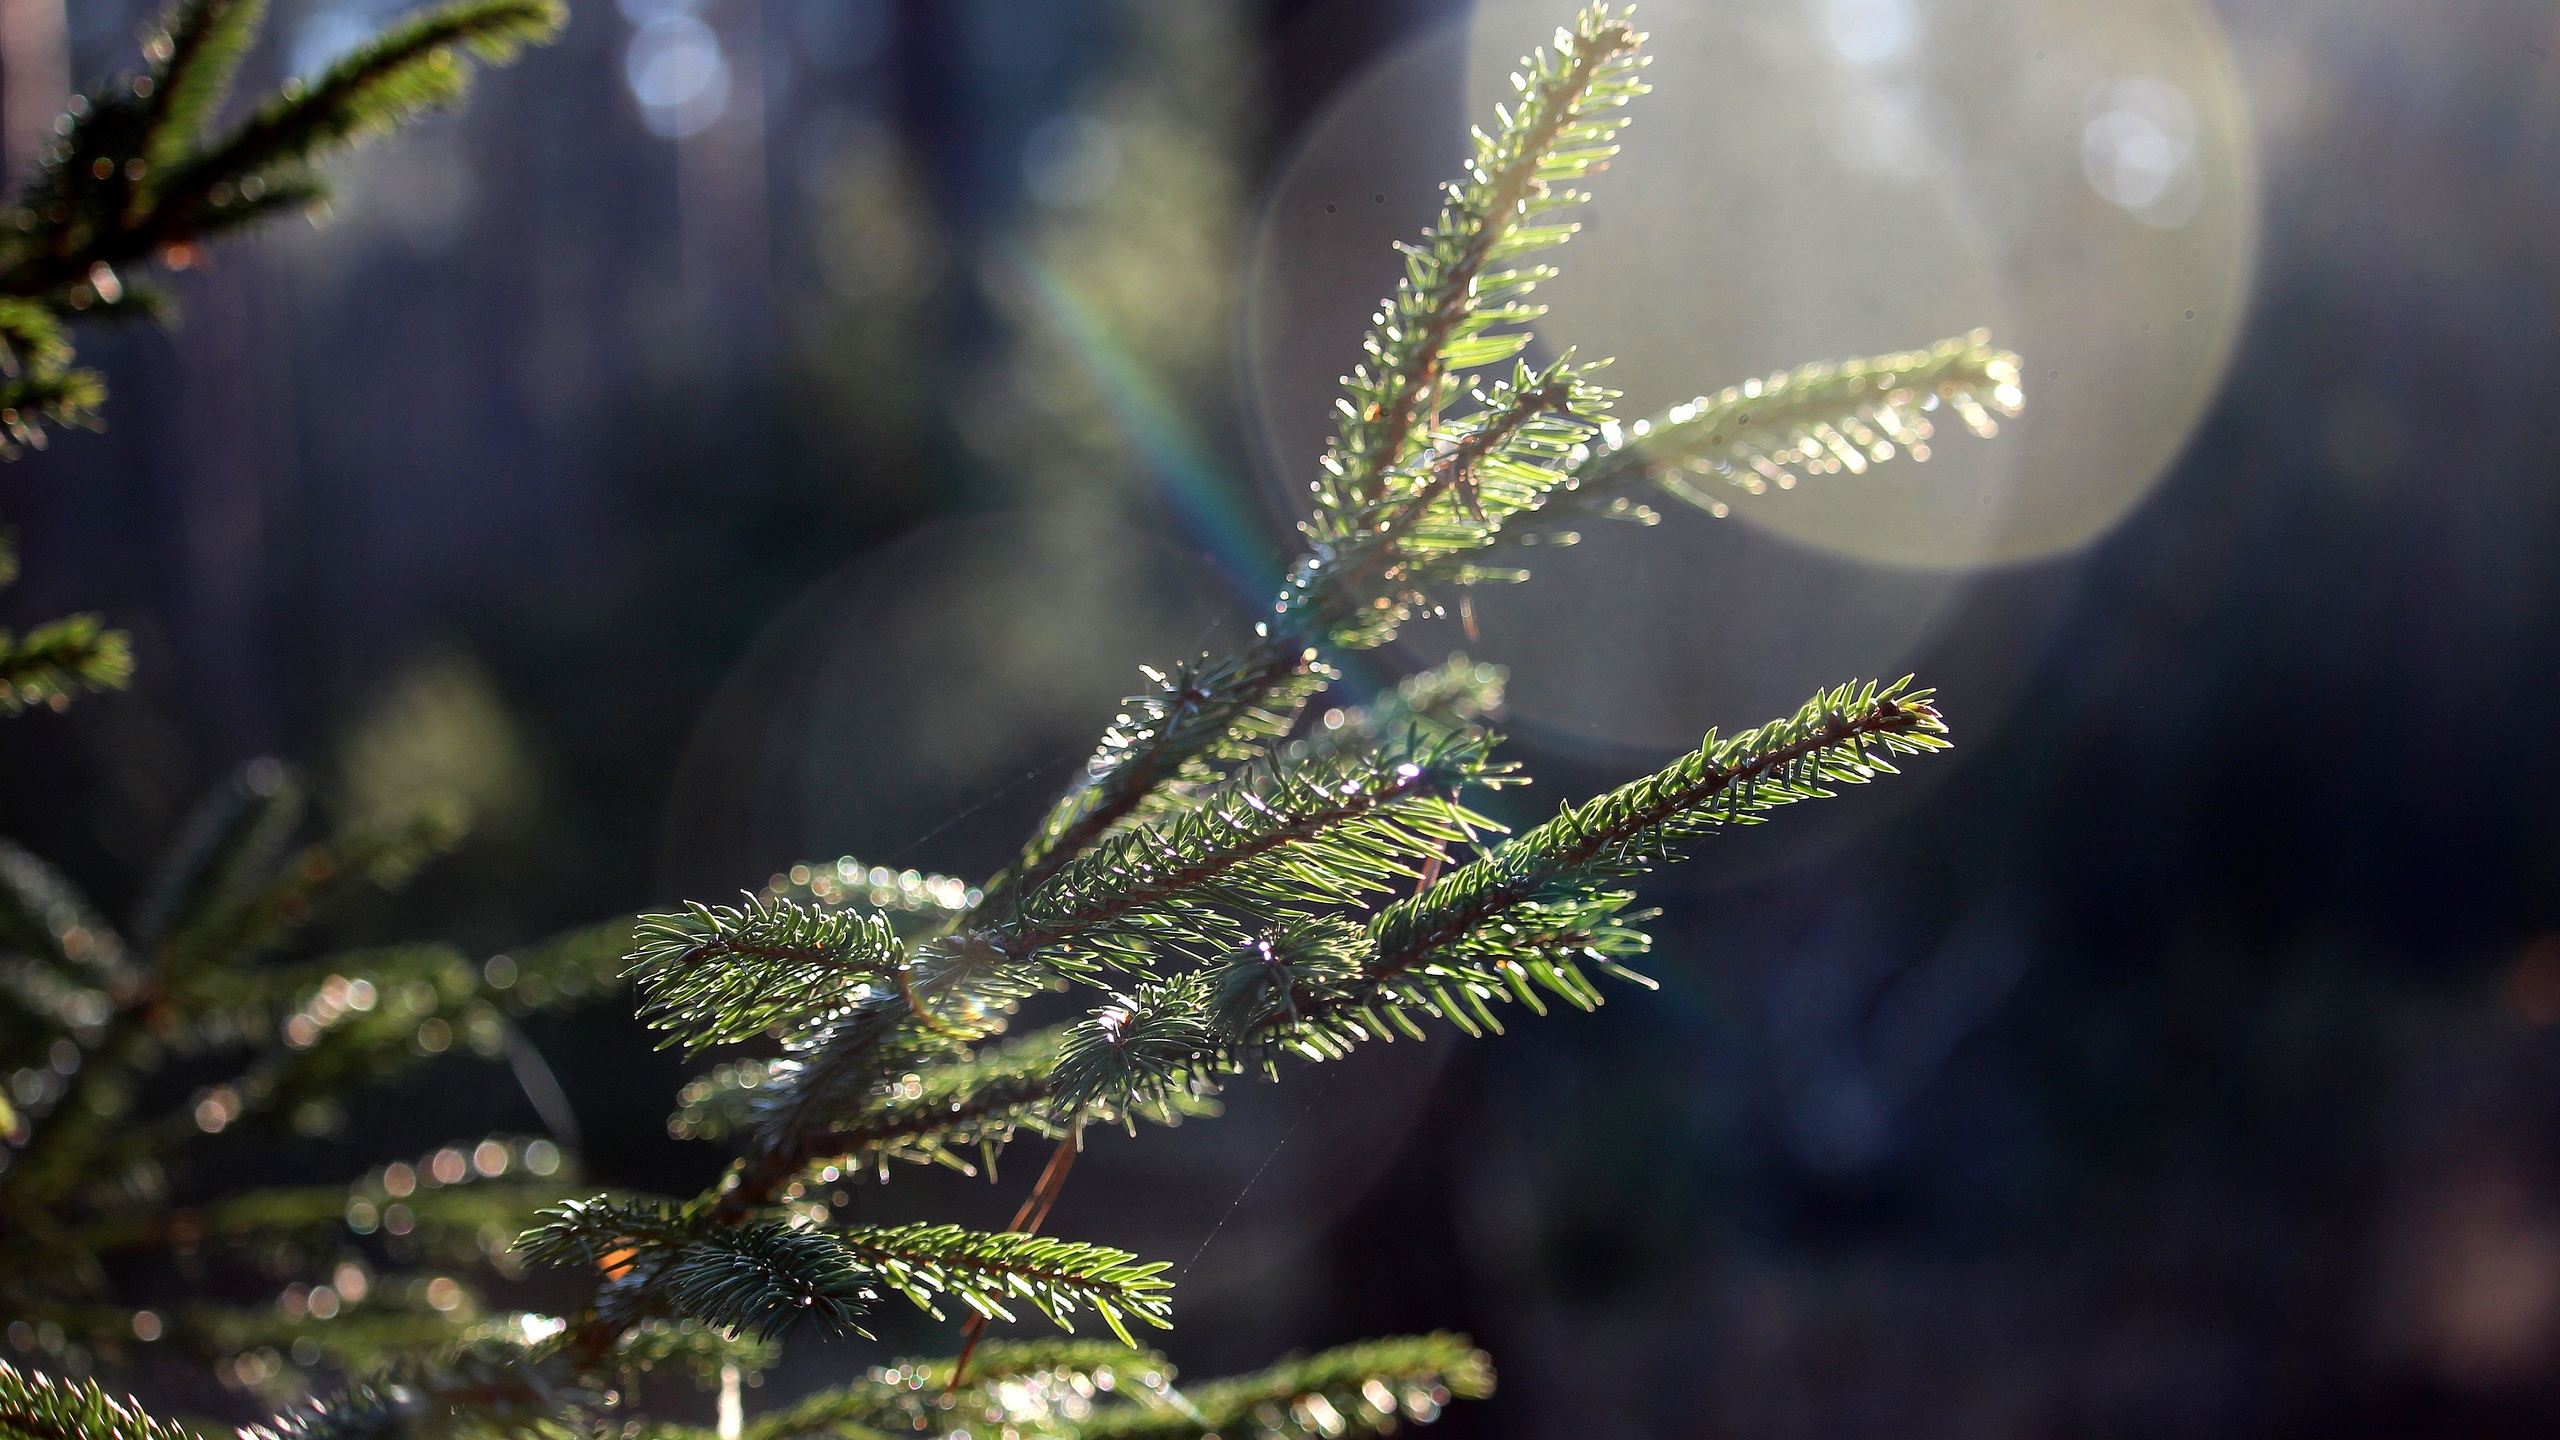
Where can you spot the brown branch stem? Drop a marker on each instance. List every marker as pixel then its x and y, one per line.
pixel 1026 1221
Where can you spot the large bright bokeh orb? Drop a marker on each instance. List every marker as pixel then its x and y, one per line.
pixel 1830 178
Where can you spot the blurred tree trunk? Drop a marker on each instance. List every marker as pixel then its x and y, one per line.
pixel 35 79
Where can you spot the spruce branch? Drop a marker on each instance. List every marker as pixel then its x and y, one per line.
pixel 1839 737
pixel 376 1337
pixel 716 975
pixel 314 1028
pixel 832 1075
pixel 44 1407
pixel 192 59
pixel 341 1021
pixel 1441 318
pixel 1517 924
pixel 1334 831
pixel 46 918
pixel 760 1277
pixel 32 342
pixel 604 1233
pixel 944 1112
pixel 1370 565
pixel 132 181
pixel 1234 876
pixel 1027 1220
pixel 58 660
pixel 135 175
pixel 1317 832
pixel 1520 923
pixel 922 1116
pixel 363 1412
pixel 1288 980
pixel 956 991
pixel 1136 1050
pixel 38 385
pixel 1408 503
pixel 669 1262
pixel 67 399
pixel 224 895
pixel 1439 323
pixel 975 1102
pixel 984 1269
pixel 1173 732
pixel 448 1221
pixel 413 67
pixel 381 851
pixel 1817 419
pixel 227 841
pixel 1096 1390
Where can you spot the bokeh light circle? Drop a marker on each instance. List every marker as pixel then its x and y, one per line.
pixel 1812 181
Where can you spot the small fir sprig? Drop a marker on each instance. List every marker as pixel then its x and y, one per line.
pixel 43 1407
pixel 141 176
pixel 1818 419
pixel 101 1162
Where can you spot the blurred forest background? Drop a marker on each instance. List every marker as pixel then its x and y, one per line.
pixel 762 430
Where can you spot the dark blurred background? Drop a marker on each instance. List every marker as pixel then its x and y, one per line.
pixel 762 430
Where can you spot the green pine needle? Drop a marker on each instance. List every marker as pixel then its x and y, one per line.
pixel 756 1279
pixel 762 1279
pixel 192 61
pixel 985 1269
pixel 1313 832
pixel 1137 1049
pixel 61 659
pixel 414 67
pixel 1519 917
pixel 717 975
pixel 1817 419
pixel 45 1407
pixel 1190 719
pixel 1460 282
